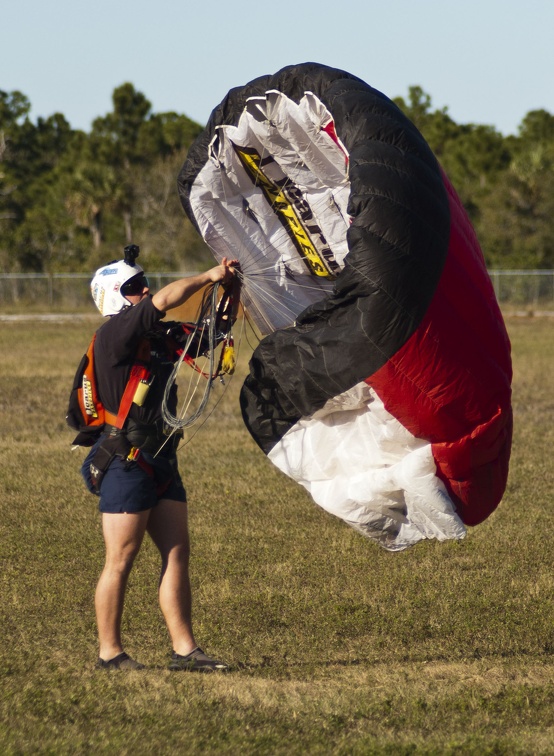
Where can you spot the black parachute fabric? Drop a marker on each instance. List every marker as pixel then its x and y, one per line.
pixel 383 382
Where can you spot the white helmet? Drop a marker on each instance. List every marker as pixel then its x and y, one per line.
pixel 106 286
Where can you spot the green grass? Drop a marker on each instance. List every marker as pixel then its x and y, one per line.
pixel 337 647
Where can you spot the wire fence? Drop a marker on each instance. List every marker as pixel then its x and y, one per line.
pixel 517 291
pixel 59 292
pixel 530 291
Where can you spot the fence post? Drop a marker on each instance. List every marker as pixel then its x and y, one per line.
pixel 496 284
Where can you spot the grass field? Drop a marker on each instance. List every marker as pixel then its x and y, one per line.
pixel 337 647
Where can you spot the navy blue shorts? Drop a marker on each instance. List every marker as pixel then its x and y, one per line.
pixel 127 487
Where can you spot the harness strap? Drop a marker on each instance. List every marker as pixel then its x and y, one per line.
pixel 139 372
pixel 135 455
pixel 110 418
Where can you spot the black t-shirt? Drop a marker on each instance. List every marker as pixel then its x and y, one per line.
pixel 115 351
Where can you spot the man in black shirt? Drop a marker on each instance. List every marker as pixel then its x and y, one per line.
pixel 147 495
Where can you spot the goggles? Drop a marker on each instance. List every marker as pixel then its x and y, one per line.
pixel 134 286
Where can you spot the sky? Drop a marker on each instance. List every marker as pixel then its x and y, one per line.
pixel 486 61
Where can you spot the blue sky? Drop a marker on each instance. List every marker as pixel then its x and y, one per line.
pixel 487 61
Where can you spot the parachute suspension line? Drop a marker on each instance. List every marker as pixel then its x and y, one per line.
pixel 253 332
pixel 181 421
pixel 207 415
pixel 253 284
pixel 257 291
pixel 269 273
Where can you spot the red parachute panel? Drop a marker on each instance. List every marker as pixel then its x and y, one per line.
pixel 450 382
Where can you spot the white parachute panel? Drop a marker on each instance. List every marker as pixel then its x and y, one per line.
pixel 297 189
pixel 360 464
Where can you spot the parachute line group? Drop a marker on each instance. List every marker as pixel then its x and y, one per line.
pixel 199 355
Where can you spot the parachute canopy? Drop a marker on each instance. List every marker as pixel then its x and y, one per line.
pixel 382 383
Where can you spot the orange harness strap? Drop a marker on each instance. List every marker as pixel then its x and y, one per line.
pixel 89 401
pixel 139 372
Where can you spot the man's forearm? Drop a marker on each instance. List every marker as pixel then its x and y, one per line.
pixel 177 292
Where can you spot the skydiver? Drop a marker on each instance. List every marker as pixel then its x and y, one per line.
pixel 140 493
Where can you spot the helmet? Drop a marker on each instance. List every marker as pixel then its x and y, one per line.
pixel 106 286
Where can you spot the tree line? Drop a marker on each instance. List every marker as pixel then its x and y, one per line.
pixel 70 200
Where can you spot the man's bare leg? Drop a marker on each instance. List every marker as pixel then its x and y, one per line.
pixel 168 528
pixel 123 535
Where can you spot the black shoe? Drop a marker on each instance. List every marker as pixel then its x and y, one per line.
pixel 121 661
pixel 196 661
